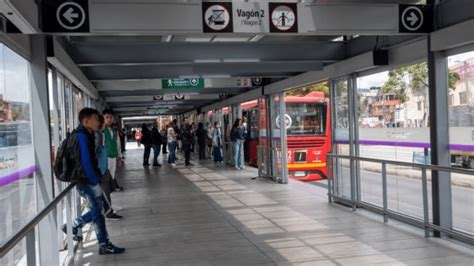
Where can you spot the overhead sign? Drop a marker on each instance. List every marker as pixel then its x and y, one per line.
pixel 65 16
pixel 193 83
pixel 283 17
pixel 217 16
pixel 415 19
pixel 250 17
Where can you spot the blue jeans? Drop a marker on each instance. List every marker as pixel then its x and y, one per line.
pixel 238 148
pixel 94 197
pixel 217 154
pixel 156 152
pixel 171 151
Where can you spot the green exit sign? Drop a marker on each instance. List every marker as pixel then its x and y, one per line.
pixel 194 83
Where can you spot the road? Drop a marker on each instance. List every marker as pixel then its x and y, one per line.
pixel 405 196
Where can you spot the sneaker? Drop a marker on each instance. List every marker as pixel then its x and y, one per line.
pixel 113 216
pixel 237 168
pixel 173 165
pixel 75 237
pixel 242 168
pixel 157 165
pixel 109 248
pixel 64 229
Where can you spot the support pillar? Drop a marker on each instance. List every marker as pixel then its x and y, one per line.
pixel 439 135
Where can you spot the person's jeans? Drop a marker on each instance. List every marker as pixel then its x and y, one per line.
pixel 187 152
pixel 171 151
pixel 156 152
pixel 217 154
pixel 146 154
pixel 238 146
pixel 94 197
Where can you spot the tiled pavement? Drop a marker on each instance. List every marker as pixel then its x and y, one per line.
pixel 214 215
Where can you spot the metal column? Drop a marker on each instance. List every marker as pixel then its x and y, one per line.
pixel 48 245
pixel 439 135
pixel 283 139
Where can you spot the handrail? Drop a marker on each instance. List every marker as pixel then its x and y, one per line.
pixel 426 166
pixel 384 210
pixel 15 239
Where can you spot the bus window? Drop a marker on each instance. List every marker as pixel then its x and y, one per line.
pixel 306 118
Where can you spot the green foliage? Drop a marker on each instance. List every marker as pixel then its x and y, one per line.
pixel 414 77
pixel 302 91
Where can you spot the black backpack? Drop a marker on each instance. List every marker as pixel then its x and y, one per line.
pixel 63 166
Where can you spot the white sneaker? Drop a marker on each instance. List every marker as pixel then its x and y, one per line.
pixel 242 167
pixel 173 165
pixel 237 168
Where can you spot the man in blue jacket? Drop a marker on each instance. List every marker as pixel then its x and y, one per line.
pixel 81 150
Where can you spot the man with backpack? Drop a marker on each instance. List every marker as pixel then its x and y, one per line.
pixel 77 162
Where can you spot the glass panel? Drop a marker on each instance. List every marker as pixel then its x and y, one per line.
pixel 341 133
pixel 461 137
pixel 393 125
pixel 68 106
pixel 17 160
pixel 308 132
pixel 276 142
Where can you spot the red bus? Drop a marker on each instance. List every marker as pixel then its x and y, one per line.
pixel 308 134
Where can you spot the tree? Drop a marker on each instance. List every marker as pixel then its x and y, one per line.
pixel 302 91
pixel 414 78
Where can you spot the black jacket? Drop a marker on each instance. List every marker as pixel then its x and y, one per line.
pixel 156 138
pixel 186 135
pixel 146 137
pixel 201 135
pixel 81 156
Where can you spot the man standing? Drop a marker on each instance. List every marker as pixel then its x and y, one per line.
pixel 106 179
pixel 112 143
pixel 156 141
pixel 85 169
pixel 171 136
pixel 186 141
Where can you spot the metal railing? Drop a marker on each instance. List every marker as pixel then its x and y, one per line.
pixel 30 226
pixel 384 211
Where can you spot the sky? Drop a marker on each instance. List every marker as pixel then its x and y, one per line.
pixel 377 80
pixel 13 76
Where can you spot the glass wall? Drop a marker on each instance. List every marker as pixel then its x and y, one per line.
pixel 17 159
pixel 393 125
pixel 341 136
pixel 461 137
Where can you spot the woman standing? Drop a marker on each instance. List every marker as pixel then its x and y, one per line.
pixel 217 142
pixel 146 141
pixel 237 137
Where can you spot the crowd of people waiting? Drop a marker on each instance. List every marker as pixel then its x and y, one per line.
pixel 94 149
pixel 208 139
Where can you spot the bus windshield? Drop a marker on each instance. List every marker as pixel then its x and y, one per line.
pixel 306 118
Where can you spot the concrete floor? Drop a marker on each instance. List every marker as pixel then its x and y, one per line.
pixel 212 215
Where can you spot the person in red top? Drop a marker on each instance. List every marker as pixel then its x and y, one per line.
pixel 138 137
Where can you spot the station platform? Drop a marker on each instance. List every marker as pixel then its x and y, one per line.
pixel 210 214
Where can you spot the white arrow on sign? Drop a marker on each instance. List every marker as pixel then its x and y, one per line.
pixel 413 19
pixel 70 16
pixel 75 18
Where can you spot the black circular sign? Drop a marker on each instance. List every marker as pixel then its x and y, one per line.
pixel 71 15
pixel 412 18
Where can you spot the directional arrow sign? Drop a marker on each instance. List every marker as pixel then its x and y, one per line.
pixel 65 16
pixel 415 18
